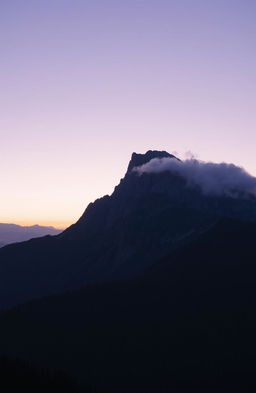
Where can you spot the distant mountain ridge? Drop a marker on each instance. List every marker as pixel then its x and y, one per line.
pixel 146 218
pixel 13 233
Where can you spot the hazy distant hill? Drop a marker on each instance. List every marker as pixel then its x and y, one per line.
pixel 11 233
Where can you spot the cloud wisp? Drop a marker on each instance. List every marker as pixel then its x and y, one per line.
pixel 213 179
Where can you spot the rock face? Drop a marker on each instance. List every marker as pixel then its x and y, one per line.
pixel 118 236
pixel 140 159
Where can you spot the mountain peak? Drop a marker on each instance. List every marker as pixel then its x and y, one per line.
pixel 141 159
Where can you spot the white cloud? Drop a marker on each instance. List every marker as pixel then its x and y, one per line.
pixel 212 178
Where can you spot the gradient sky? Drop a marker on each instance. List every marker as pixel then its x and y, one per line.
pixel 83 84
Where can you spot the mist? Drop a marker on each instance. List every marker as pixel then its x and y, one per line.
pixel 212 178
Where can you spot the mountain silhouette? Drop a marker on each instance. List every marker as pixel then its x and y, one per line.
pixel 147 217
pixel 152 290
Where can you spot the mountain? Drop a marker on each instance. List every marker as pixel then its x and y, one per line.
pixel 187 324
pixel 11 233
pixel 152 290
pixel 147 217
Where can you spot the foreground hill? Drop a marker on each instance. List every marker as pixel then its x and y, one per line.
pixel 147 217
pixel 187 324
pixel 11 233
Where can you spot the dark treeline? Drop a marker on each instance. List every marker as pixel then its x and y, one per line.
pixel 17 375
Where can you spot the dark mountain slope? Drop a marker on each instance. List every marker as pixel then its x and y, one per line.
pixel 188 324
pixel 118 236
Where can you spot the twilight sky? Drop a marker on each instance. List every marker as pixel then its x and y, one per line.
pixel 84 83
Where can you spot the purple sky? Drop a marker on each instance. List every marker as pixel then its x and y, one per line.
pixel 86 83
